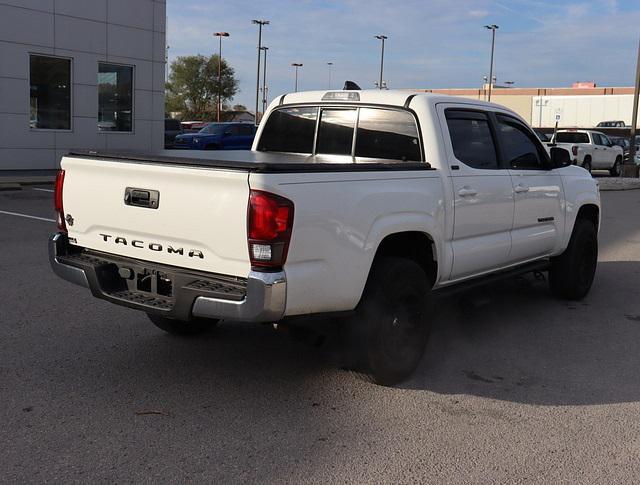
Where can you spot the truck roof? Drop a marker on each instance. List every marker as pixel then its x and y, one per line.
pixel 578 130
pixel 393 97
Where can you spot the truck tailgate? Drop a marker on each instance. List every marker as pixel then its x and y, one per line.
pixel 199 221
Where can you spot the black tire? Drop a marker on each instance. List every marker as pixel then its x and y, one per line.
pixel 587 164
pixel 615 170
pixel 212 146
pixel 392 321
pixel 571 274
pixel 194 326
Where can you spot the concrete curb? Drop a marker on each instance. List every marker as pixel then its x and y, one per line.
pixel 9 186
pixel 611 184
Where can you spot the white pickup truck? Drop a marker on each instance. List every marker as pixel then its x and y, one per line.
pixel 591 150
pixel 358 203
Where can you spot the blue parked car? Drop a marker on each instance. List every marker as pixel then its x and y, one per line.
pixel 219 136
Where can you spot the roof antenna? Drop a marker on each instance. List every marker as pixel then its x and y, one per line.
pixel 350 86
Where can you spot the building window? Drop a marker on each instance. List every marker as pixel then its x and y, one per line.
pixel 49 93
pixel 115 97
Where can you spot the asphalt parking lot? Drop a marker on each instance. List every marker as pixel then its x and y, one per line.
pixel 515 386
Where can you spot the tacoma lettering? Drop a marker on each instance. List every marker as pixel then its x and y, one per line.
pixel 153 246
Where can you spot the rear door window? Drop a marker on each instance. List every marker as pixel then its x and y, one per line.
pixel 387 134
pixel 471 138
pixel 335 133
pixel 572 137
pixel 290 130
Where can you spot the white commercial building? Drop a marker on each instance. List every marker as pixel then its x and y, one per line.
pixel 79 74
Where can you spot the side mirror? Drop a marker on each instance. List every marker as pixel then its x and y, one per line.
pixel 560 157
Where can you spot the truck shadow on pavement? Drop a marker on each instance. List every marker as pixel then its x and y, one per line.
pixel 513 341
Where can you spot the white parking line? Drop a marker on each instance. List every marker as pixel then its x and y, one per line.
pixel 42 190
pixel 27 216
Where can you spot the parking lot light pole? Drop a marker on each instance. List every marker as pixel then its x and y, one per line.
pixel 259 23
pixel 382 38
pixel 220 35
pixel 297 65
pixel 329 64
pixel 264 81
pixel 629 169
pixel 492 28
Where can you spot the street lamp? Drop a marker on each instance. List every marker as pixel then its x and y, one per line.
pixel 259 23
pixel 264 80
pixel 382 38
pixel 296 65
pixel 492 28
pixel 220 35
pixel 329 64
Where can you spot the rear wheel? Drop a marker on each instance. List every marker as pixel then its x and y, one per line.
pixel 587 164
pixel 572 273
pixel 180 327
pixel 615 170
pixel 392 322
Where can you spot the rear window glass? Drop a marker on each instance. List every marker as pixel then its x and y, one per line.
pixel 572 137
pixel 290 130
pixel 381 133
pixel 335 133
pixel 471 139
pixel 388 134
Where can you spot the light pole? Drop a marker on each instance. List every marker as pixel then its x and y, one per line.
pixel 382 38
pixel 492 28
pixel 297 65
pixel 629 169
pixel 220 35
pixel 259 23
pixel 329 64
pixel 264 80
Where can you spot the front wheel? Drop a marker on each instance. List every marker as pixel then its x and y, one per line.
pixel 615 170
pixel 392 321
pixel 572 273
pixel 180 327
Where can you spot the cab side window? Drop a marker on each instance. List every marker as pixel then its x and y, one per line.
pixel 471 138
pixel 597 139
pixel 519 147
pixel 605 140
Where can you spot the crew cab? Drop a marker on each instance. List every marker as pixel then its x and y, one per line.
pixel 591 150
pixel 357 204
pixel 218 136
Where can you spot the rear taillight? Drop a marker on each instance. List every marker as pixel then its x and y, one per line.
pixel 270 222
pixel 58 201
pixel 574 150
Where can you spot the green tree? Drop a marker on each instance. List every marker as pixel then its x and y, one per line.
pixel 192 88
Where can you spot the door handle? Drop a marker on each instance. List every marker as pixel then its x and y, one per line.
pixel 521 189
pixel 467 191
pixel 141 197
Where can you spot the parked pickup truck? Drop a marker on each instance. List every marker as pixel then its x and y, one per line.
pixel 363 204
pixel 591 150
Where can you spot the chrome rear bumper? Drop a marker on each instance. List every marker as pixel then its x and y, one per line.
pixel 261 297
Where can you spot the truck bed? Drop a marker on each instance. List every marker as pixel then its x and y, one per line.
pixel 252 161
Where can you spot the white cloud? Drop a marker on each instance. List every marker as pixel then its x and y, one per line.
pixel 478 14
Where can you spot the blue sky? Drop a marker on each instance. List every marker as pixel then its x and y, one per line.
pixel 432 44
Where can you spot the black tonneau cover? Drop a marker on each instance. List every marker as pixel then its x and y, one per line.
pixel 262 162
